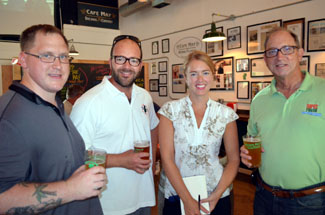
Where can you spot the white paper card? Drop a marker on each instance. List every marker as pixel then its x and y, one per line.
pixel 196 185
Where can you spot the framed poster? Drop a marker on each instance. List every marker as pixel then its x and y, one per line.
pixel 258 86
pixel 223 78
pixel 155 47
pixel 234 38
pixel 297 26
pixel 304 63
pixel 162 90
pixel 256 35
pixel 243 90
pixel 316 35
pixel 165 46
pixel 162 66
pixel 242 65
pixel 162 79
pixel 259 68
pixel 153 68
pixel 214 48
pixel 153 85
pixel 320 70
pixel 178 79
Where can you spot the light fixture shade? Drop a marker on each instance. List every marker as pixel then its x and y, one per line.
pixel 214 35
pixel 73 51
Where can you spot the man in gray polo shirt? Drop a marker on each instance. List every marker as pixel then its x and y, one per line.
pixel 41 152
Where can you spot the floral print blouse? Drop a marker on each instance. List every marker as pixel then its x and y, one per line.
pixel 197 149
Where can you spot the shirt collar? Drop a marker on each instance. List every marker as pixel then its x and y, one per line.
pixel 17 87
pixel 305 85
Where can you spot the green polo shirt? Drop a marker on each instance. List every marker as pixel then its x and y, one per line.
pixel 292 132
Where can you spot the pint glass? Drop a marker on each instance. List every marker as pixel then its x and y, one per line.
pixel 253 145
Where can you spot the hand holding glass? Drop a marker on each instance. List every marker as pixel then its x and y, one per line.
pixel 253 145
pixel 95 157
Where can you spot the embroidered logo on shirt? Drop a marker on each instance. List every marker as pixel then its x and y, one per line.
pixel 311 109
pixel 144 108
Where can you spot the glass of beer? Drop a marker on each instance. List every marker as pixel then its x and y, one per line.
pixel 95 157
pixel 253 145
pixel 142 146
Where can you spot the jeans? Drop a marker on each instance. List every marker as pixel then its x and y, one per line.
pixel 265 203
pixel 173 207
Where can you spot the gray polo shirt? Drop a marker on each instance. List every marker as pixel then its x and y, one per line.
pixel 39 143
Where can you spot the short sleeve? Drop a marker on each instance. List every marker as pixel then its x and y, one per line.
pixel 15 156
pixel 166 111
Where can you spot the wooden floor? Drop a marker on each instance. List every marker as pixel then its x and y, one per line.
pixel 243 195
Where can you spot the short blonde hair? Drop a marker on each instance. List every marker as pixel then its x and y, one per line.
pixel 198 55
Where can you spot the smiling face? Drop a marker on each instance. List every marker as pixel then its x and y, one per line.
pixel 199 78
pixel 283 66
pixel 124 75
pixel 45 79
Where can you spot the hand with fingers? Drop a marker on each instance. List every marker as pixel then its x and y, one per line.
pixel 136 161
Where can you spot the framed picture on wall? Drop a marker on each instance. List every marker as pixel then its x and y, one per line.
pixel 320 70
pixel 223 79
pixel 316 35
pixel 153 85
pixel 178 79
pixel 242 65
pixel 162 90
pixel 304 63
pixel 165 46
pixel 259 68
pixel 162 66
pixel 243 90
pixel 234 38
pixel 258 86
pixel 155 47
pixel 214 48
pixel 297 26
pixel 162 79
pixel 256 35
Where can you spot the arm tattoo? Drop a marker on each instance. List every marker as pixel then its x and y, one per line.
pixel 40 193
pixel 34 209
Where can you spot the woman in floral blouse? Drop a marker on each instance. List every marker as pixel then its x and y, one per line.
pixel 190 134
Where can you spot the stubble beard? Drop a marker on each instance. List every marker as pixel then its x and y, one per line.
pixel 120 81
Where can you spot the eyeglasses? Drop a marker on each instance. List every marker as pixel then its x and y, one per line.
pixel 133 61
pixel 48 58
pixel 285 50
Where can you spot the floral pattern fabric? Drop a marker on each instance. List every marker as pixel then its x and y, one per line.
pixel 197 149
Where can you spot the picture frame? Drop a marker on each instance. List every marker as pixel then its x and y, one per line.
pixel 154 68
pixel 320 70
pixel 296 26
pixel 214 48
pixel 162 66
pixel 163 91
pixel 242 65
pixel 258 86
pixel 178 79
pixel 234 38
pixel 259 68
pixel 256 36
pixel 223 78
pixel 153 85
pixel 165 45
pixel 316 35
pixel 242 89
pixel 155 48
pixel 162 79
pixel 305 63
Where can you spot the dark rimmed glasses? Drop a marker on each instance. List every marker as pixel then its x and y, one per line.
pixel 285 50
pixel 133 61
pixel 48 58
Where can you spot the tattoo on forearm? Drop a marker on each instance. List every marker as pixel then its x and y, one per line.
pixel 40 193
pixel 34 209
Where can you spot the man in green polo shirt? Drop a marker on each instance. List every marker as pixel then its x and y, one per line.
pixel 289 116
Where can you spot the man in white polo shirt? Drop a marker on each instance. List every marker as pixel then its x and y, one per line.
pixel 106 117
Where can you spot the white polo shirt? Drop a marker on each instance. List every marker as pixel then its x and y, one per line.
pixel 105 119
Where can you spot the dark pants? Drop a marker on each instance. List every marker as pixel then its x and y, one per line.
pixel 173 207
pixel 266 203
